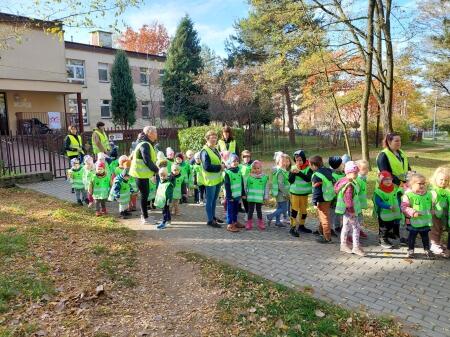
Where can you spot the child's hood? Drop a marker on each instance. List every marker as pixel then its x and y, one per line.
pixel 341 183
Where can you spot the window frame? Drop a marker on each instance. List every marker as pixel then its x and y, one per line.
pixel 106 68
pixel 74 67
pixel 147 105
pixel 72 103
pixel 144 72
pixel 102 104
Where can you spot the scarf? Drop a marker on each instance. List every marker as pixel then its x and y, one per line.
pixel 386 189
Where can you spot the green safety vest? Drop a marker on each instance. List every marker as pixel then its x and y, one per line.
pixel 441 203
pixel 236 183
pixel 340 203
pixel 75 143
pixel 327 187
pixel 390 199
pixel 100 188
pixel 169 165
pixel 256 188
pixel 338 175
pixel 197 169
pixel 87 177
pixel 138 169
pixel 423 205
pixel 362 183
pixel 275 174
pixel 77 179
pixel 103 139
pixel 212 178
pixel 152 190
pixel 245 170
pixel 125 193
pixel 160 199
pixel 223 146
pixel 399 168
pixel 177 188
pixel 301 187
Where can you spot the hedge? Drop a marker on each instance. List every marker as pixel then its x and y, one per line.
pixel 194 138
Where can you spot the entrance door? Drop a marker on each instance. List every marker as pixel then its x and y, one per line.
pixel 3 115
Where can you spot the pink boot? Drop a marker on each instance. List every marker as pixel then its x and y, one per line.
pixel 249 225
pixel 261 226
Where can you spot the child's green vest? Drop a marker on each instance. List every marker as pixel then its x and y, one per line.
pixel 152 190
pixel 100 188
pixel 327 187
pixel 160 199
pixel 256 188
pixel 275 174
pixel 177 186
pixel 88 175
pixel 423 205
pixel 236 183
pixel 301 187
pixel 197 168
pixel 340 203
pixel 441 203
pixel 125 193
pixel 77 179
pixel 245 170
pixel 362 192
pixel 391 200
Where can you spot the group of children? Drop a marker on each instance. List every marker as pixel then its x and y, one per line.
pixel 338 193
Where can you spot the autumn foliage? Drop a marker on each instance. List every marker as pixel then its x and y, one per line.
pixel 151 39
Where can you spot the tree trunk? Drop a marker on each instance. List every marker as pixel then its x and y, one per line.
pixel 387 123
pixel 290 112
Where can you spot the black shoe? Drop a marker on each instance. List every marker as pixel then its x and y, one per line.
pixel 124 215
pixel 219 221
pixel 333 233
pixel 294 232
pixel 127 213
pixel 213 224
pixel 321 239
pixel 338 229
pixel 429 254
pixel 303 229
pixel 403 242
pixel 386 244
pixel 79 202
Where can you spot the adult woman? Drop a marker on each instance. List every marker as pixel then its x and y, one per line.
pixel 393 159
pixel 100 141
pixel 212 173
pixel 228 143
pixel 73 144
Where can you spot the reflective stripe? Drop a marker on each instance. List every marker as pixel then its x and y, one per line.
pixel 399 168
pixel 423 205
pixel 340 203
pixel 256 188
pixel 212 178
pixel 327 187
pixel 75 143
pixel 138 169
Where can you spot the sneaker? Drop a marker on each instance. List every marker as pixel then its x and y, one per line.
pixel 127 213
pixel 429 254
pixel 261 225
pixel 436 249
pixel 294 232
pixel 410 253
pixel 249 225
pixel 333 233
pixel 386 244
pixel 213 224
pixel 162 225
pixel 321 239
pixel 362 235
pixel 358 251
pixel 269 219
pixel 219 221
pixel 303 229
pixel 104 211
pixel 345 248
pixel 403 242
pixel 232 228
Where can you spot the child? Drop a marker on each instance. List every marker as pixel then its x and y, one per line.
pixel 439 184
pixel 280 188
pixel 99 188
pixel 257 191
pixel 189 155
pixel 75 175
pixel 300 179
pixel 199 182
pixel 88 174
pixel 170 155
pixel 121 191
pixel 417 205
pixel 348 205
pixel 101 158
pixel 363 167
pixel 387 209
pixel 177 180
pixel 245 170
pixel 322 195
pixel 164 197
pixel 337 167
pixel 185 172
pixel 234 190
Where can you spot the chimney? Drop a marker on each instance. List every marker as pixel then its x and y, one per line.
pixel 101 38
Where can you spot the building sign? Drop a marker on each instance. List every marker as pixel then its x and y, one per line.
pixel 115 136
pixel 54 120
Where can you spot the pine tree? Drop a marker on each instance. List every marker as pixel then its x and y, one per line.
pixel 182 66
pixel 123 105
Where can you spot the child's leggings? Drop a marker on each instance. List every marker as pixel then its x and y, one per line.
pixel 282 208
pixel 299 205
pixel 80 194
pixel 100 204
pixel 166 213
pixel 199 193
pixel 413 235
pixel 350 223
pixel 437 230
pixel 251 209
pixel 389 229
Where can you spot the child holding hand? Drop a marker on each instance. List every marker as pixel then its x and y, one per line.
pixel 164 197
pixel 257 190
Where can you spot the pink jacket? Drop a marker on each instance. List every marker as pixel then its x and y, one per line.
pixel 348 194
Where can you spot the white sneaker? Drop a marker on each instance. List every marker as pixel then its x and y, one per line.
pixel 436 249
pixel 147 221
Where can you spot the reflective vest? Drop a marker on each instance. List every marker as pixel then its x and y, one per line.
pixel 423 205
pixel 340 203
pixel 256 188
pixel 76 178
pixel 75 143
pixel 88 175
pixel 327 187
pixel 223 146
pixel 152 190
pixel 440 205
pixel 236 183
pixel 275 187
pixel 138 169
pixel 197 170
pixel 103 140
pixel 390 199
pixel 100 187
pixel 245 170
pixel 125 193
pixel 399 168
pixel 212 178
pixel 301 187
pixel 161 199
pixel 177 186
pixel 362 183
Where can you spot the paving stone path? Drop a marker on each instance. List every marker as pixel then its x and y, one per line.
pixel 417 291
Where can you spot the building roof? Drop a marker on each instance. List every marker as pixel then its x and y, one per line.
pixel 111 51
pixel 12 18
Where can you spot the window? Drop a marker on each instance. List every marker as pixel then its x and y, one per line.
pixel 105 108
pixel 161 75
pixel 103 75
pixel 145 109
pixel 75 71
pixel 73 109
pixel 143 75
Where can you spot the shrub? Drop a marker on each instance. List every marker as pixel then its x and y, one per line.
pixel 194 138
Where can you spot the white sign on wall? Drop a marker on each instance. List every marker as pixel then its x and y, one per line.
pixel 54 120
pixel 115 136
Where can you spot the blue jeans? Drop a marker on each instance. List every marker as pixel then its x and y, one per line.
pixel 282 207
pixel 232 210
pixel 212 193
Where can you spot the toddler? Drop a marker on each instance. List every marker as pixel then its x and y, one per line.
pixel 121 191
pixel 164 197
pixel 185 171
pixel 257 191
pixel 170 155
pixel 280 188
pixel 99 188
pixel 88 174
pixel 234 190
pixel 199 182
pixel 75 175
pixel 337 167
pixel 177 180
pixel 245 170
pixel 363 166
pixel 439 184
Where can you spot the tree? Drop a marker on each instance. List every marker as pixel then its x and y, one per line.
pixel 123 104
pixel 150 39
pixel 183 64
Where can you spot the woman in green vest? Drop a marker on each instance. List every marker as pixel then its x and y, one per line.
pixel 212 176
pixel 228 143
pixel 73 144
pixel 100 141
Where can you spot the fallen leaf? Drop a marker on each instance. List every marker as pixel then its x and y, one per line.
pixel 252 310
pixel 319 313
pixel 60 306
pixel 99 290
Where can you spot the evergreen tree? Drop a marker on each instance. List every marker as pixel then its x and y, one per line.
pixel 123 105
pixel 179 85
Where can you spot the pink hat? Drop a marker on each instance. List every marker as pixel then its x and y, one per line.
pixel 351 167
